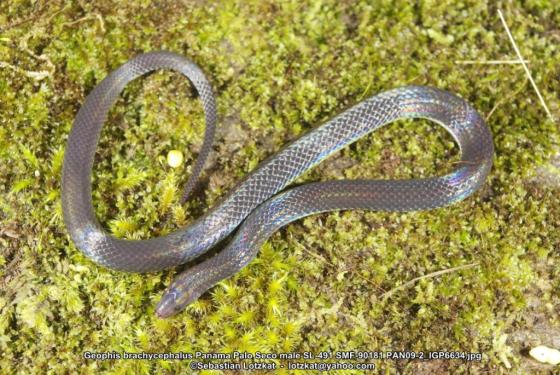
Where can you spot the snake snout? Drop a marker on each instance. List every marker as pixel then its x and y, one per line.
pixel 175 299
pixel 167 305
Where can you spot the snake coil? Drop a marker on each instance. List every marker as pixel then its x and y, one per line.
pixel 254 205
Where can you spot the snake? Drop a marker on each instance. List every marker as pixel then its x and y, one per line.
pixel 262 202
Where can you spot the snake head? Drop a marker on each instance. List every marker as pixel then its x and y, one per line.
pixel 167 306
pixel 179 294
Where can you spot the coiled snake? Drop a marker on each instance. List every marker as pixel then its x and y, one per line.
pixel 254 205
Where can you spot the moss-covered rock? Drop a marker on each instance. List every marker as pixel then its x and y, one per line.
pixel 338 281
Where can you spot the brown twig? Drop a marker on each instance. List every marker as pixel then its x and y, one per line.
pixel 524 65
pixel 430 275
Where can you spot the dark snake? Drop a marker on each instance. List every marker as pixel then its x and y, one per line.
pixel 258 205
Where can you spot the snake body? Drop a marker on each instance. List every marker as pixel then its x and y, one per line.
pixel 259 205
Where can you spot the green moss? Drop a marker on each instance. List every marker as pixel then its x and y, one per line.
pixel 327 282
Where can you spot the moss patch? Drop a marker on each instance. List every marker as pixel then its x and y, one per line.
pixel 279 69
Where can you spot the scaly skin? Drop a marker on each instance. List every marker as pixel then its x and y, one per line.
pixel 254 201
